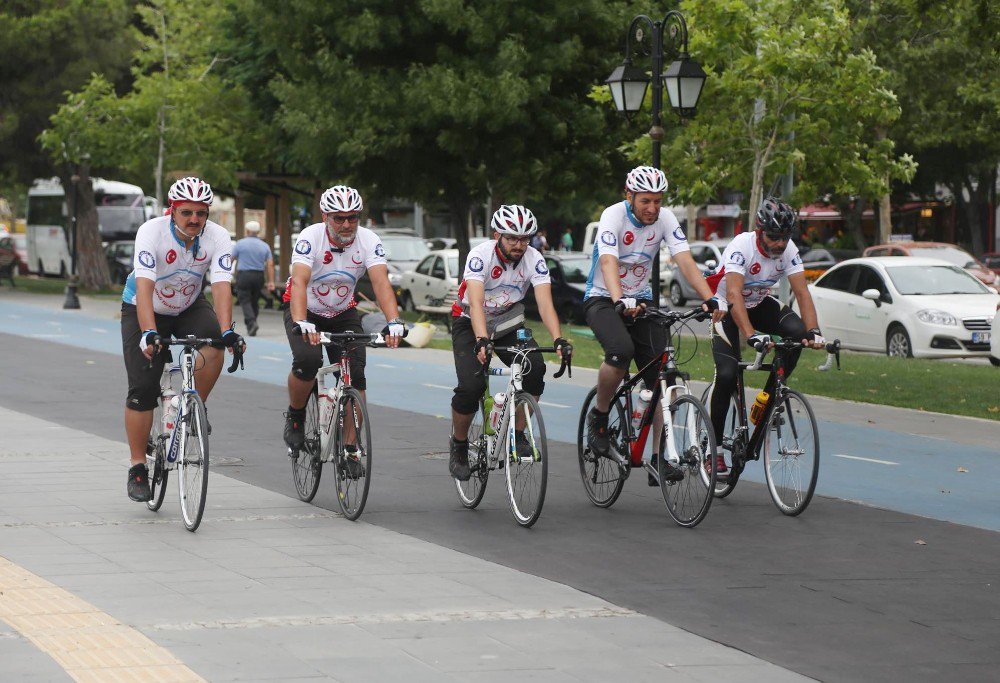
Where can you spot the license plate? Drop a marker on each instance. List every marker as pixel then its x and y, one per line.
pixel 980 337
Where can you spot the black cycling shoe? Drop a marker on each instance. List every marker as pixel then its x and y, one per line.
pixel 295 435
pixel 458 461
pixel 670 473
pixel 522 445
pixel 138 483
pixel 597 433
pixel 353 468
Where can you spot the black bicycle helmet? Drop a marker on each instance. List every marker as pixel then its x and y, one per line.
pixel 776 219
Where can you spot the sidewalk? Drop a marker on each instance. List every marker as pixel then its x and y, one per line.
pixel 273 589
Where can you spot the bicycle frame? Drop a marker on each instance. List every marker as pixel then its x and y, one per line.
pixel 330 399
pixel 505 425
pixel 185 365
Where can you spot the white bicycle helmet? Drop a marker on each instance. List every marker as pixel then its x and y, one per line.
pixel 646 179
pixel 340 198
pixel 513 219
pixel 191 189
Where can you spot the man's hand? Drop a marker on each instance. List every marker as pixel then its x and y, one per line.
pixel 393 333
pixel 233 341
pixel 483 346
pixel 759 342
pixel 308 331
pixel 814 339
pixel 149 343
pixel 627 307
pixel 270 287
pixel 563 348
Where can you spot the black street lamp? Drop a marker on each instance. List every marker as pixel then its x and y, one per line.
pixel 683 80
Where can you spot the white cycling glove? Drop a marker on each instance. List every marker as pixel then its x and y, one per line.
pixel 395 329
pixel 625 303
pixel 759 341
pixel 148 338
pixel 817 338
pixel 306 327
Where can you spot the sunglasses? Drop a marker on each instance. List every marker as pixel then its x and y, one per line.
pixel 340 220
pixel 777 238
pixel 187 213
pixel 517 240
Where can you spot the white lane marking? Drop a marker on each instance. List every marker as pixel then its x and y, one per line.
pixel 98 329
pixel 553 405
pixel 274 358
pixel 854 457
pixel 385 365
pixel 48 336
pixel 438 386
pixel 14 315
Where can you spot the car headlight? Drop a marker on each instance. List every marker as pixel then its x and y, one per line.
pixel 935 317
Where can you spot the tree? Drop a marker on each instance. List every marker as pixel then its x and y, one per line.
pixel 444 100
pixel 784 87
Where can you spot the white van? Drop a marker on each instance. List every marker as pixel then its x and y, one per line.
pixel 121 209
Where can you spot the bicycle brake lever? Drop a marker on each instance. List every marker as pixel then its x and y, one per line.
pixel 237 360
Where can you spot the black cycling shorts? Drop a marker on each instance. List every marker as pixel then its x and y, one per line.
pixel 308 359
pixel 642 339
pixel 198 319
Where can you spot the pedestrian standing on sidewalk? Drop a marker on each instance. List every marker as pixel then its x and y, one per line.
pixel 254 264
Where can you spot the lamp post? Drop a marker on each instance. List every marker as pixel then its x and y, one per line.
pixel 72 301
pixel 683 80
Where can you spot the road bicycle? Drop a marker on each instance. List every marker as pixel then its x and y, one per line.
pixel 337 430
pixel 178 439
pixel 687 442
pixel 785 432
pixel 511 437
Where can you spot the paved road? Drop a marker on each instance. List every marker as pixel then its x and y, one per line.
pixel 845 592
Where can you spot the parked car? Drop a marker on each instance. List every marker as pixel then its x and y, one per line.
pixel 818 260
pixel 568 271
pixel 995 339
pixel 365 290
pixel 120 256
pixel 404 251
pixel 905 307
pixel 436 243
pixel 707 255
pixel 991 260
pixel 431 281
pixel 949 252
pixel 21 247
pixel 10 262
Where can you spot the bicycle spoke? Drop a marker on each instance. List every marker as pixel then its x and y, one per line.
pixel 352 454
pixel 791 454
pixel 690 451
pixel 471 492
pixel 193 462
pixel 527 462
pixel 602 478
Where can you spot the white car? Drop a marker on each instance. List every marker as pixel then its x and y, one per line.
pixel 906 307
pixel 432 282
pixel 995 339
pixel 707 255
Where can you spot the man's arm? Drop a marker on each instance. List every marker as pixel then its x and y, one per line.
pixel 144 308
pixel 222 297
pixel 269 273
pixel 475 292
pixel 385 297
pixel 547 311
pixel 737 306
pixel 692 273
pixel 301 273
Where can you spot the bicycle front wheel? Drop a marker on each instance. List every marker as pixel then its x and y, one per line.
pixel 352 454
pixel 723 486
pixel 471 492
pixel 527 460
pixel 192 461
pixel 692 452
pixel 602 478
pixel 156 459
pixel 306 465
pixel 791 454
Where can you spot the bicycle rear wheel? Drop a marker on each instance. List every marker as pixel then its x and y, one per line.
pixel 306 465
pixel 602 478
pixel 192 461
pixel 723 487
pixel 688 500
pixel 471 492
pixel 352 462
pixel 527 460
pixel 791 454
pixel 156 459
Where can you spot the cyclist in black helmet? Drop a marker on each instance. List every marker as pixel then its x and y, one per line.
pixel 751 265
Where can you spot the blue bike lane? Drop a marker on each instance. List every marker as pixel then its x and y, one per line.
pixel 920 474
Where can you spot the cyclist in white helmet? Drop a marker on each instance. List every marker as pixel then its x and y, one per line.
pixel 328 260
pixel 497 275
pixel 163 297
pixel 618 290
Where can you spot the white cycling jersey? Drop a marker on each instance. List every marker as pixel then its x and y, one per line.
pixel 505 283
pixel 635 246
pixel 177 272
pixel 746 256
pixel 335 271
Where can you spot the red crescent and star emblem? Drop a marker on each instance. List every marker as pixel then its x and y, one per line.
pixel 171 256
pixel 496 272
pixel 327 257
pixel 754 269
pixel 628 237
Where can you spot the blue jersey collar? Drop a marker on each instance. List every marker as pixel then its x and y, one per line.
pixel 631 217
pixel 173 233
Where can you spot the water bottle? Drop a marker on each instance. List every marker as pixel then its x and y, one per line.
pixel 488 409
pixel 757 409
pixel 170 402
pixel 639 406
pixel 498 401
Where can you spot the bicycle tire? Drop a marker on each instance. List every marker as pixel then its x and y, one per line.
pixel 307 467
pixel 352 478
pixel 471 492
pixel 723 487
pixel 156 458
pixel 602 478
pixel 791 473
pixel 527 464
pixel 689 500
pixel 193 462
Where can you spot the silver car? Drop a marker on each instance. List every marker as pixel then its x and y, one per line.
pixel 707 255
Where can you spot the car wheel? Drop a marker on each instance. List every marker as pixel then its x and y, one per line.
pixel 41 268
pixel 995 361
pixel 897 343
pixel 62 269
pixel 406 302
pixel 676 295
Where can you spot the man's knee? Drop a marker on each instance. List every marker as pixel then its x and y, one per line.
pixel 619 356
pixel 465 401
pixel 305 369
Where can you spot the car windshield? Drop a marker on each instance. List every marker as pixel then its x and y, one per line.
pixel 958 257
pixel 576 269
pixel 932 280
pixel 453 265
pixel 405 248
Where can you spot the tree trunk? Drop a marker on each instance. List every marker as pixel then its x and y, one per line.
pixel 850 212
pixel 884 218
pixel 91 265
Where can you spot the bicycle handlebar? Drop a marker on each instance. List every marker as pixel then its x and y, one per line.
pixel 196 343
pixel 566 364
pixel 671 317
pixel 832 351
pixel 373 339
